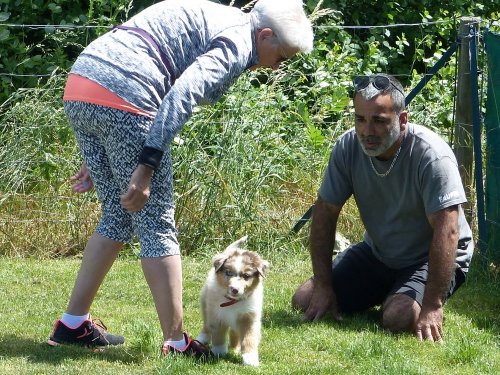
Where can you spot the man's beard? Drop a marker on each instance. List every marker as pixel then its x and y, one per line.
pixel 385 142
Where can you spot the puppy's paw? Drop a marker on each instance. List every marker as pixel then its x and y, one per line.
pixel 251 359
pixel 204 338
pixel 220 349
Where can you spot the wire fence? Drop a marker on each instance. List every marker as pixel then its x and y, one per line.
pixel 41 202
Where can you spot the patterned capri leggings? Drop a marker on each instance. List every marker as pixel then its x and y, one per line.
pixel 111 141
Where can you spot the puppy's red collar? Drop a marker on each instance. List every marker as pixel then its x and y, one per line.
pixel 229 302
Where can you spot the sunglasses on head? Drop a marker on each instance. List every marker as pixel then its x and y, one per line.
pixel 379 82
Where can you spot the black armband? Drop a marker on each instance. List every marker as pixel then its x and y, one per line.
pixel 151 157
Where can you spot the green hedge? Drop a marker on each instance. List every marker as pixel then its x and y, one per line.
pixel 29 55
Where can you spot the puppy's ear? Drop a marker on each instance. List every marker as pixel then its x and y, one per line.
pixel 262 269
pixel 237 244
pixel 218 261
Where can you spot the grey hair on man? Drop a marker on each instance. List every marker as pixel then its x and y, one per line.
pixel 394 89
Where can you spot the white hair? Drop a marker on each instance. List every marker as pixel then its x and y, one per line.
pixel 288 21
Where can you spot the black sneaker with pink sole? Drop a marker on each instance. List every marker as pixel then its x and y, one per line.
pixel 91 333
pixel 193 348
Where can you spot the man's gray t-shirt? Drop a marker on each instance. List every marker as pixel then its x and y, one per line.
pixel 395 208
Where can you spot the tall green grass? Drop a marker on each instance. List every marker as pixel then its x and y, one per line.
pixel 248 165
pixel 38 214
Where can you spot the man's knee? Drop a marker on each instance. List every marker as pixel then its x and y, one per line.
pixel 400 313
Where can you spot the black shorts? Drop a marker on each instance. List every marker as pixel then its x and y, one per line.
pixel 361 281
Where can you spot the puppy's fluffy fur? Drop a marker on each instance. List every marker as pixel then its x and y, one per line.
pixel 231 301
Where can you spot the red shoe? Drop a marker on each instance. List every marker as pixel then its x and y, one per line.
pixel 193 348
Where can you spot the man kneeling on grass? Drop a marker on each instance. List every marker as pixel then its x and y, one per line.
pixel 417 246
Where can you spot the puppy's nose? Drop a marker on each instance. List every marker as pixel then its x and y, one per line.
pixel 234 291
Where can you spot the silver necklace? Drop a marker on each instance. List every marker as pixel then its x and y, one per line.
pixel 392 164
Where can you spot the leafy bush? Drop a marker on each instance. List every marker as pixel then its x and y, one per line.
pixel 421 43
pixel 35 44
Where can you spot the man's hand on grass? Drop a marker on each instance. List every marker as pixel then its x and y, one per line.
pixel 429 325
pixel 323 299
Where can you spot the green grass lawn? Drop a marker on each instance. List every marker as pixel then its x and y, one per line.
pixel 34 293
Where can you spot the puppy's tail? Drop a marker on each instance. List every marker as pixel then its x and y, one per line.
pixel 237 244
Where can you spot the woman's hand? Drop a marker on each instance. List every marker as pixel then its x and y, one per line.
pixel 82 182
pixel 138 189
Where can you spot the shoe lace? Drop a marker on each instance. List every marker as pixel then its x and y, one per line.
pixel 97 323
